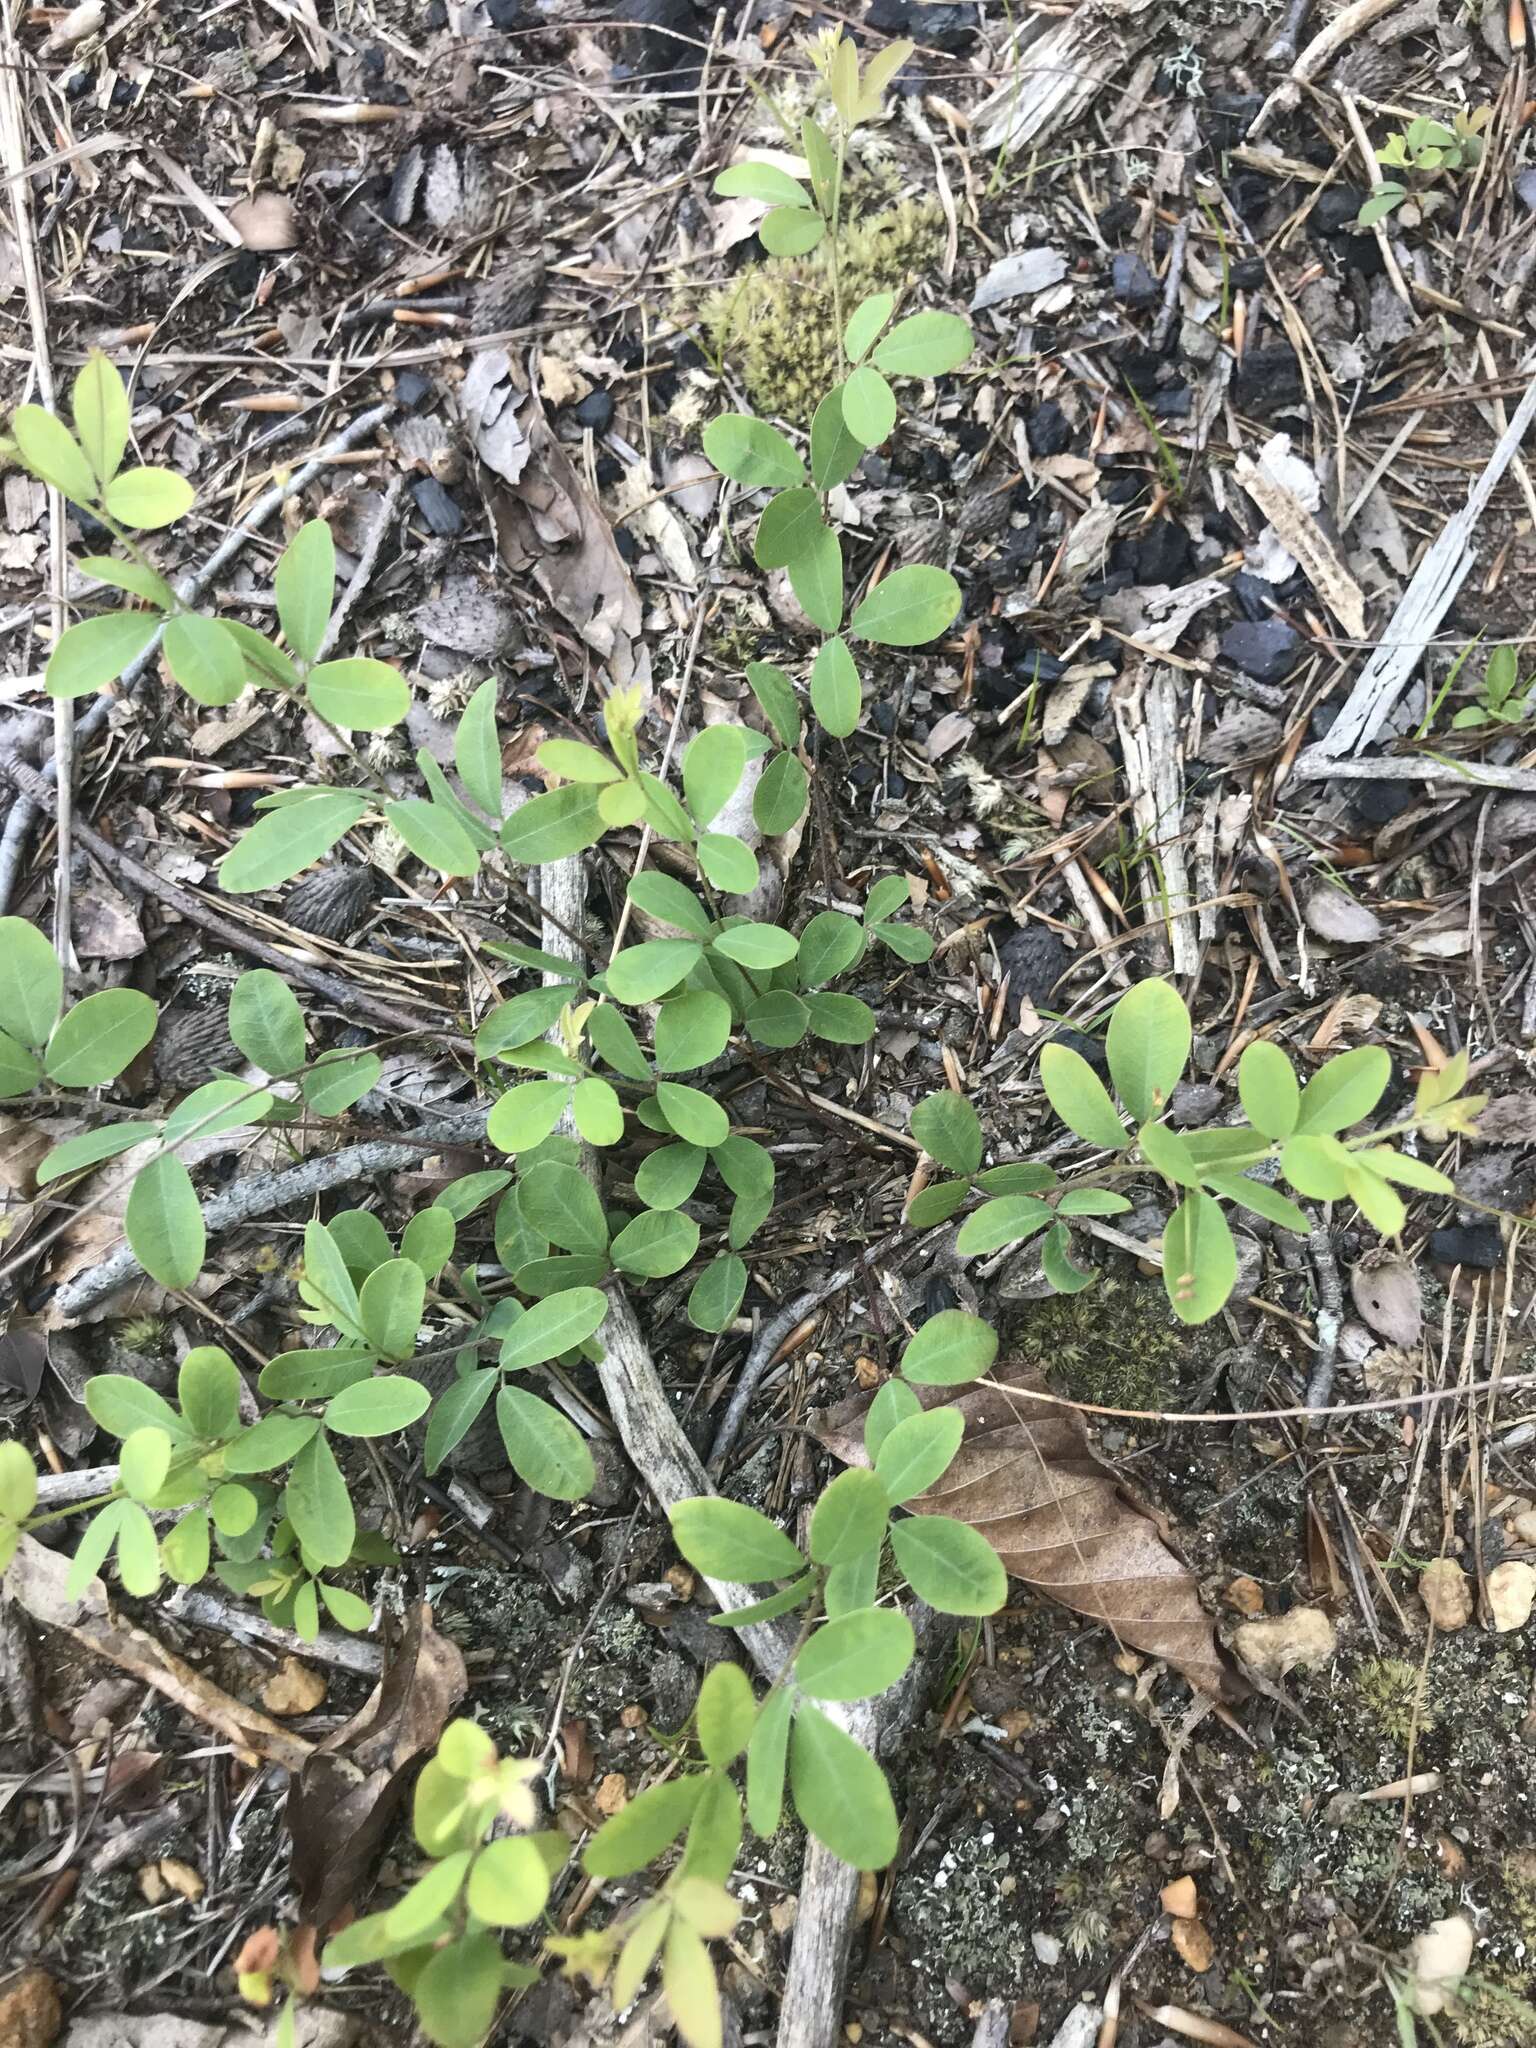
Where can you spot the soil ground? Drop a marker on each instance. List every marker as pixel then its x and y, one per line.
pixel 553 167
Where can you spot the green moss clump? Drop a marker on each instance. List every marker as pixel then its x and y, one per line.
pixel 774 325
pixel 1488 2014
pixel 1116 1344
pixel 1388 1689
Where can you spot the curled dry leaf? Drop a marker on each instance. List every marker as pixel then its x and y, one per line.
pixel 1447 1594
pixel 1340 918
pixel 343 1800
pixel 1299 1640
pixel 1026 1476
pixel 1386 1292
pixel 265 221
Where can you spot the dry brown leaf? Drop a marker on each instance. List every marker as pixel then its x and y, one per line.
pixel 1062 1522
pixel 1385 1290
pixel 343 1800
pixel 36 1582
pixel 547 522
pixel 1286 492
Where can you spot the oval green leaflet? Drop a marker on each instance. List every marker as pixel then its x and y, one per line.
pixel 96 652
pixel 98 403
pixel 816 578
pixel 790 231
pixel 1199 1259
pixel 951 1347
pixel 836 451
pixel 31 982
pixel 949 1564
pixel 545 1450
pixel 283 842
pixel 717 1294
pixel 304 585
pixel 948 1129
pixel 204 657
pixel 836 693
pixel 550 827
pixel 866 323
pixel 163 1222
pixel 712 769
pixel 751 452
pixel 925 345
pixel 869 406
pixel 789 528
pixel 909 607
pixel 856 1656
pixel 764 182
pixel 98 1038
pixel 1147 1046
pixel 1270 1092
pixel 358 694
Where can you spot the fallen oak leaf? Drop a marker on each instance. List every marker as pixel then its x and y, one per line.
pixel 343 1800
pixel 1027 1478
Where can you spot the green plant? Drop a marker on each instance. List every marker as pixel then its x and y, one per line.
pixel 1292 1131
pixel 914 604
pixel 1426 150
pixel 577 1064
pixel 261 1497
pixel 1503 698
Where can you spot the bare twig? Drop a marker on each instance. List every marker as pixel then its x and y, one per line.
pixel 367 562
pixel 1330 1313
pixel 263 1194
pixel 13 128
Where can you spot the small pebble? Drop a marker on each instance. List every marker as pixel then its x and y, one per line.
pixel 1511 1593
pixel 1447 1594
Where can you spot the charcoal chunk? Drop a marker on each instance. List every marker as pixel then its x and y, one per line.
pixel 1131 281
pixel 595 411
pixel 1034 958
pixel 332 902
pixel 1263 648
pixel 437 508
pixel 1049 431
pixel 1477 1246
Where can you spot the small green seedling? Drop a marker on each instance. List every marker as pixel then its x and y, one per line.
pixel 1427 150
pixel 1503 699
